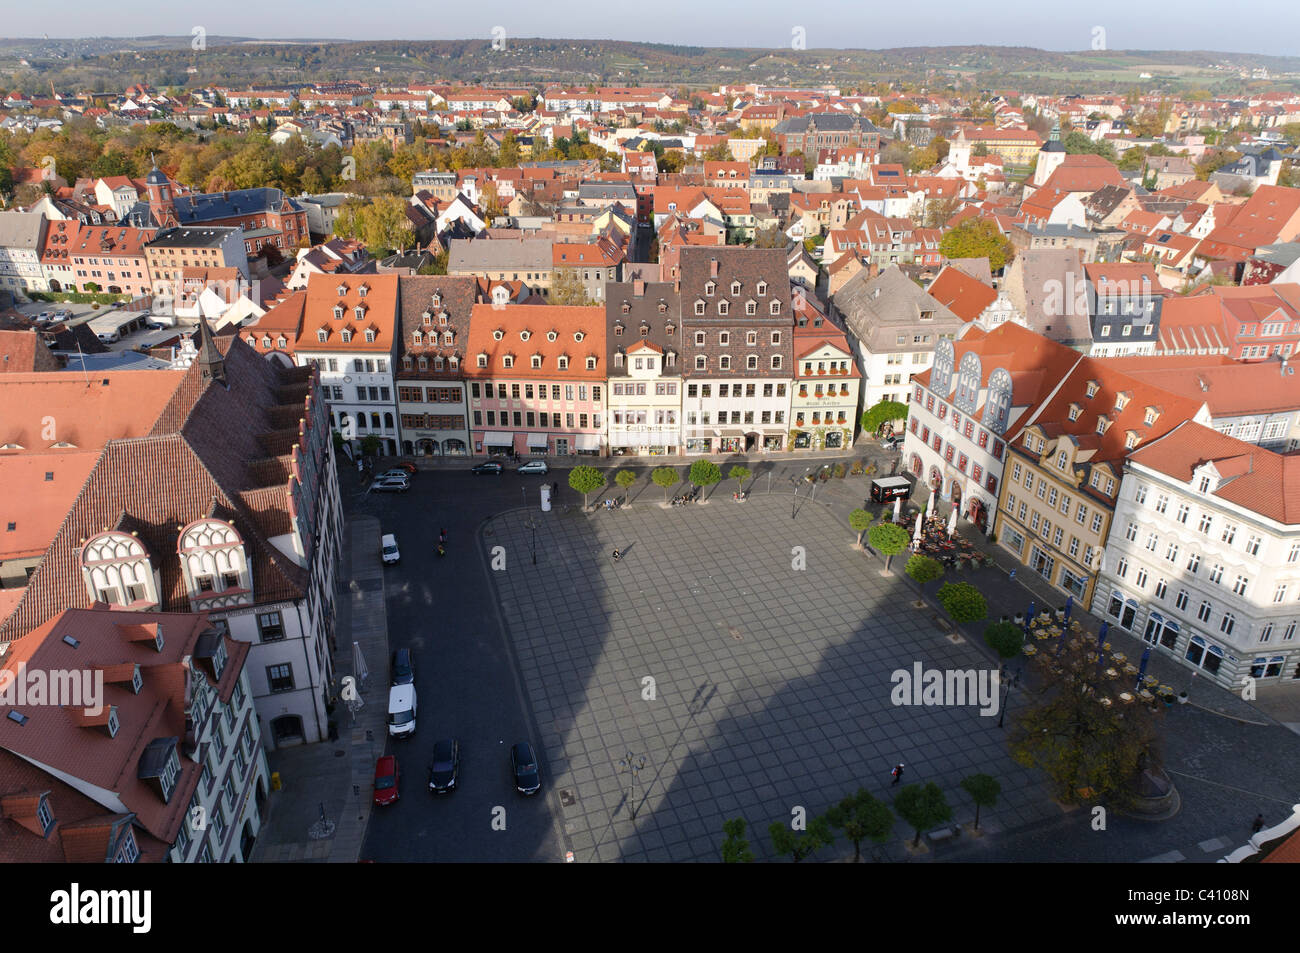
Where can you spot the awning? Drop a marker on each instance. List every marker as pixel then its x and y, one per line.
pixel 498 439
pixel 588 441
pixel 630 438
pixel 537 441
pixel 729 432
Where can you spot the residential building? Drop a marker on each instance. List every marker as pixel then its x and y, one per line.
pixel 1124 306
pixel 246 526
pixel 826 394
pixel 170 252
pixel 1075 446
pixel 434 317
pixel 527 260
pixel 738 356
pixel 22 236
pixel 108 258
pixel 167 766
pixel 964 410
pixel 893 326
pixel 536 380
pixel 643 342
pixel 1204 560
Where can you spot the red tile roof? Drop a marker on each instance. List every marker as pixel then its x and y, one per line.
pixel 963 295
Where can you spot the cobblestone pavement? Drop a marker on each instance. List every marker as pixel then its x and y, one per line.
pixel 771 684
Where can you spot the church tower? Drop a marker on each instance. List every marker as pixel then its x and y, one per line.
pixel 1050 156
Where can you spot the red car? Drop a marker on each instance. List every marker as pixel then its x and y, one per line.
pixel 410 468
pixel 387 778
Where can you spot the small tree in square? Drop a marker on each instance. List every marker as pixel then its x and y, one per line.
pixel 705 473
pixel 740 475
pixel 983 790
pixel 963 602
pixel 923 569
pixel 665 477
pixel 889 539
pixel 861 817
pixel 859 522
pixel 1005 638
pixel 923 807
pixel 735 846
pixel 625 479
pixel 800 844
pixel 586 480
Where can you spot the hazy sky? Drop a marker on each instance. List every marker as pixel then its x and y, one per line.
pixel 1272 26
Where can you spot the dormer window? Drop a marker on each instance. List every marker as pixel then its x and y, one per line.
pixel 551 335
pixel 627 308
pixel 578 335
pixel 751 307
pixel 482 360
pixel 280 341
pixel 563 363
pixel 428 317
pixel 591 363
pixel 424 363
pixel 442 319
pixel 762 288
pixel 645 331
pixel 417 337
pixel 1131 439
pixel 338 312
pixel 1121 401
pixel 370 335
pixel 44 816
pixel 498 334
pixel 618 359
pixel 342 290
pixel 437 300
pixel 112 724
pixel 709 288
pixel 1102 424
pixel 266 340
pixel 536 362
pixel 735 288
pixel 321 335
pixel 507 361
pixel 137 681
pixel 1092 388
pixel 618 330
pixel 347 335
pixel 699 307
pixel 663 308
pixel 448 338
pixel 361 292
pixel 359 312
pixel 1151 416
pixel 776 307
pixel 525 335
pixel 723 307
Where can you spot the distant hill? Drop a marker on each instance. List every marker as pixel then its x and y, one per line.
pixel 107 64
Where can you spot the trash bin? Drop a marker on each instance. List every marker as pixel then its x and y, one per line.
pixel 546 497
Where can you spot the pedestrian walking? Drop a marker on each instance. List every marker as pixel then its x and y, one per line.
pixel 442 536
pixel 617 555
pixel 1258 824
pixel 442 550
pixel 897 773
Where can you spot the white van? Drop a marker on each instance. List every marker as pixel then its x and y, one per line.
pixel 109 337
pixel 388 548
pixel 401 711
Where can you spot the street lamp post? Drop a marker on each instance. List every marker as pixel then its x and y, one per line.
pixel 633 767
pixel 531 524
pixel 1006 696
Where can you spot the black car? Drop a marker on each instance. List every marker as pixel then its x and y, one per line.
pixel 445 766
pixel 523 766
pixel 402 669
pixel 489 466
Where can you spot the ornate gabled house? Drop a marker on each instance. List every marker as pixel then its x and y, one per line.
pixel 223 499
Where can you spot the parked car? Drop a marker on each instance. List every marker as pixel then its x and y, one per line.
pixel 524 769
pixel 445 766
pixel 488 466
pixel 402 668
pixel 153 325
pixel 388 778
pixel 534 466
pixel 388 549
pixel 402 707
pixel 43 316
pixel 409 468
pixel 396 473
pixel 391 484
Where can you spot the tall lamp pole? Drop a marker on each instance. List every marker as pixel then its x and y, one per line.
pixel 1006 696
pixel 633 767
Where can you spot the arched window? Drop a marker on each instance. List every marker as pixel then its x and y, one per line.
pixel 945 359
pixel 388 421
pixel 968 383
pixel 997 409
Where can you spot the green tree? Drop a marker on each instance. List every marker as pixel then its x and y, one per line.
pixel 923 807
pixel 370 445
pixel 861 817
pixel 586 480
pixel 380 223
pixel 705 473
pixel 719 153
pixel 1078 143
pixel 735 846
pixel 983 790
pixel 963 602
pixel 923 569
pixel 1005 638
pixel 882 413
pixel 889 539
pixel 625 479
pixel 978 238
pixel 770 237
pixel 859 522
pixel 567 288
pixel 740 475
pixel 665 477
pixel 800 844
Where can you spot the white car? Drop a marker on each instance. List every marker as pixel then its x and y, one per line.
pixel 388 549
pixel 401 711
pixel 534 466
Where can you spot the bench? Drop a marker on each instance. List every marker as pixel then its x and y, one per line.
pixel 943 834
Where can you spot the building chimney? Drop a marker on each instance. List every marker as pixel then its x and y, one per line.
pixel 713 267
pixel 638 288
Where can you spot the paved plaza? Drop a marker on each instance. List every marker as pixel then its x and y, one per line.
pixel 771 683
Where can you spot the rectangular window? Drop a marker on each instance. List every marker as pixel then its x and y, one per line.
pixel 280 677
pixel 270 626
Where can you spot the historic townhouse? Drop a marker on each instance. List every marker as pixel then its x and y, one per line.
pixel 1124 306
pixel 824 403
pixel 536 380
pixel 169 769
pixel 894 327
pixel 109 258
pixel 1204 560
pixel 349 332
pixel 1064 470
pixel 643 339
pixel 22 236
pixel 433 412
pixel 979 393
pixel 245 526
pixel 739 356
pixel 175 252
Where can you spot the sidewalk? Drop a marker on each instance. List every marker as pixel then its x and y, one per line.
pixel 336 777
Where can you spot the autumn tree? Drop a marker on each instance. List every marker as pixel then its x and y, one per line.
pixel 978 238
pixel 567 288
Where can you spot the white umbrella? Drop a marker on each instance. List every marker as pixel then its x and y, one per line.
pixel 916 534
pixel 359 665
pixel 929 505
pixel 898 507
pixel 952 523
